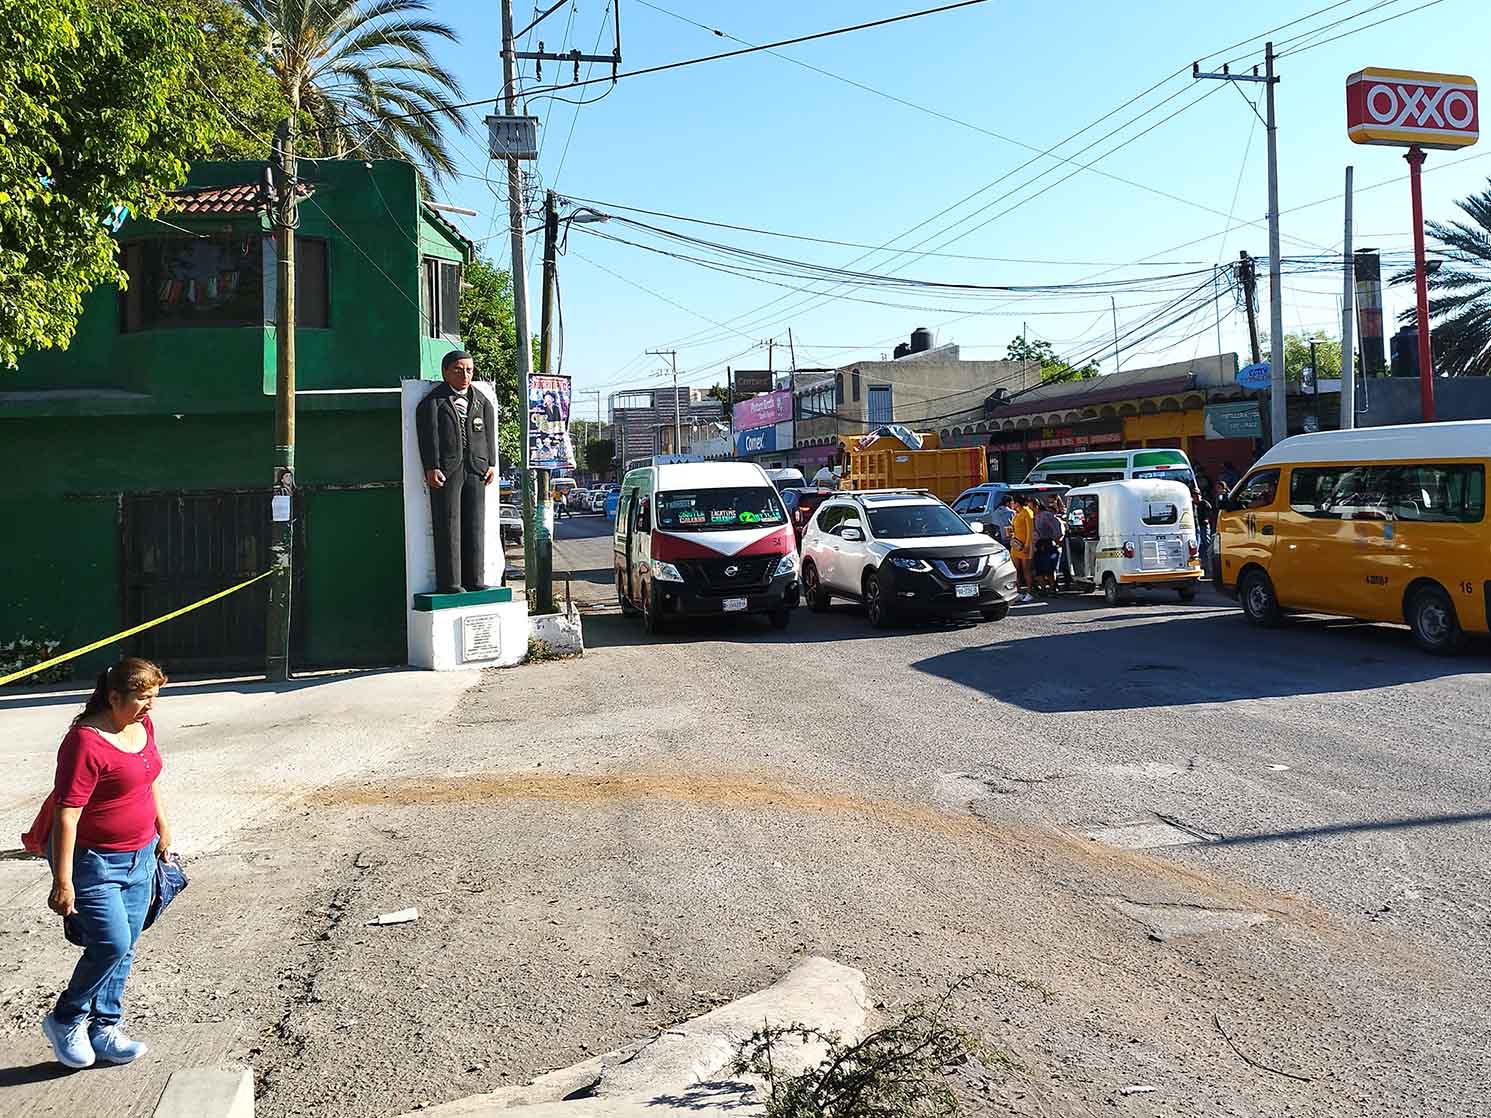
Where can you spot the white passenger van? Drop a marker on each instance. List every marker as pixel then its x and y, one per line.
pixel 1093 466
pixel 703 538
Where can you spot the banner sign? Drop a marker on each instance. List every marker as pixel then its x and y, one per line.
pixel 758 440
pixel 1241 420
pixel 549 446
pixel 1412 108
pixel 759 411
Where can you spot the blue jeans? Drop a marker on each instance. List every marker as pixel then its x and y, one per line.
pixel 113 890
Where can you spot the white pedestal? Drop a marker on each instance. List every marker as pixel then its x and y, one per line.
pixel 485 636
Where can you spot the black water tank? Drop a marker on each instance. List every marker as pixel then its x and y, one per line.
pixel 902 349
pixel 921 340
pixel 1405 353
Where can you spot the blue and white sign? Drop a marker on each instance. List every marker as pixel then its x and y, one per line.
pixel 1256 377
pixel 757 440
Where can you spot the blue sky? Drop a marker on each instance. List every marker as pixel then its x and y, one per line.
pixel 762 142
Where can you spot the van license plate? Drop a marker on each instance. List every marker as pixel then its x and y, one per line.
pixel 734 605
pixel 966 590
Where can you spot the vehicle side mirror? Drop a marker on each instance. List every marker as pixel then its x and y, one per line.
pixel 976 526
pixel 644 515
pixel 1228 504
pixel 852 534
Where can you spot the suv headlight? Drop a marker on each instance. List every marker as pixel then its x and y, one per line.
pixel 665 572
pixel 919 565
pixel 786 565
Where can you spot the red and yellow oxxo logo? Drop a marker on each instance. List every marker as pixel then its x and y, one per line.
pixel 1408 108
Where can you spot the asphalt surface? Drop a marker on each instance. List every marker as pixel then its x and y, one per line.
pixel 599 847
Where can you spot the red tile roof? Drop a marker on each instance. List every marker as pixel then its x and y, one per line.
pixel 235 200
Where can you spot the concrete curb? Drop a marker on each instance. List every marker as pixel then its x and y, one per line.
pixel 684 1070
pixel 207 1093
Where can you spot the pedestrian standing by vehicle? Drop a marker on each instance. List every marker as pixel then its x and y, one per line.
pixel 1022 535
pixel 104 831
pixel 1001 519
pixel 1063 560
pixel 1227 479
pixel 1049 531
pixel 1204 512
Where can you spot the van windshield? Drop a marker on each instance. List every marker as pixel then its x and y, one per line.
pixel 1184 476
pixel 718 510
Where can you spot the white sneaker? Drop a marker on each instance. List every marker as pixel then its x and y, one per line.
pixel 1026 598
pixel 112 1046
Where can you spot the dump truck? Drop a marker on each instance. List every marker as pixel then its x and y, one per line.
pixel 894 457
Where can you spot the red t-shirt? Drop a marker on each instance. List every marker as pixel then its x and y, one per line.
pixel 114 788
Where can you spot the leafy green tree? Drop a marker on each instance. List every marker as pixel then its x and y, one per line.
pixel 233 65
pixel 489 334
pixel 99 108
pixel 1297 356
pixel 361 75
pixel 1053 368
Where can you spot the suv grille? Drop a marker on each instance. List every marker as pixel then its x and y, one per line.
pixel 971 567
pixel 724 575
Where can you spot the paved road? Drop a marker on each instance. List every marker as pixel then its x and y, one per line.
pixel 599 847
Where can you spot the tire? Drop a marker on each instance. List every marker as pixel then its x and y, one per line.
pixel 812 589
pixel 880 613
pixel 996 613
pixel 1259 603
pixel 1431 616
pixel 652 618
pixel 1187 594
pixel 1111 593
pixel 780 618
pixel 627 609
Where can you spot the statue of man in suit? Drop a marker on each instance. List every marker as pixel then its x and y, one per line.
pixel 457 431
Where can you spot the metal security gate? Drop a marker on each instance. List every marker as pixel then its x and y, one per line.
pixel 179 548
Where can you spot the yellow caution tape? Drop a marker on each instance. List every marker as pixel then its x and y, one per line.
pixel 75 653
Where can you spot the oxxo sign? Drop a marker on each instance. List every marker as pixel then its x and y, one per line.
pixel 1411 108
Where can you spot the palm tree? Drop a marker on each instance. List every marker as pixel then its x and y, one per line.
pixel 1460 291
pixel 360 73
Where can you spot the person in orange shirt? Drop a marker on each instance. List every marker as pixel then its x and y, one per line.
pixel 1022 530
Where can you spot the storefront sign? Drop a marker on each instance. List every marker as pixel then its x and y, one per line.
pixel 1256 377
pixel 758 440
pixel 1411 108
pixel 752 380
pixel 1241 420
pixel 759 411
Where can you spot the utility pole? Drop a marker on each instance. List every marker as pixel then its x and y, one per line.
pixel 791 349
pixel 672 356
pixel 1117 353
pixel 1247 276
pixel 282 492
pixel 1278 401
pixel 1348 287
pixel 543 543
pixel 524 355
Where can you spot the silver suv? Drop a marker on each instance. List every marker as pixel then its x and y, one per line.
pixel 902 551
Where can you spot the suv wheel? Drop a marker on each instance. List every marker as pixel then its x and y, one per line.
pixel 877 608
pixel 812 588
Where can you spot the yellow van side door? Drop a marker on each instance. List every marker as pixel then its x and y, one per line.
pixel 1316 546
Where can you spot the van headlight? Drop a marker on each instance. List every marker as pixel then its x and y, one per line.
pixel 665 572
pixel 786 565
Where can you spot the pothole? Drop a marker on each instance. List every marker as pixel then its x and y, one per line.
pixel 1169 921
pixel 1146 834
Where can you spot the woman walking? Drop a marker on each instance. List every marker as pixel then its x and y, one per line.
pixel 107 829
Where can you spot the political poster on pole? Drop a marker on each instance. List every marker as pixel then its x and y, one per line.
pixel 549 446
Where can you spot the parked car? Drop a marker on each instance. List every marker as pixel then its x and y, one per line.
pixel 902 551
pixel 1124 535
pixel 612 499
pixel 786 478
pixel 703 539
pixel 510 525
pixel 578 500
pixel 801 505
pixel 974 505
pixel 598 499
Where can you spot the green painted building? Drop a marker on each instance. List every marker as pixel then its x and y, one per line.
pixel 138 460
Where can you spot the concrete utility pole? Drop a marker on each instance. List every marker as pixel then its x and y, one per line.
pixel 1278 400
pixel 282 491
pixel 672 356
pixel 1117 352
pixel 524 356
pixel 1348 287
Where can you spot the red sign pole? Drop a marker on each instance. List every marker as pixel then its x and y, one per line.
pixel 1415 157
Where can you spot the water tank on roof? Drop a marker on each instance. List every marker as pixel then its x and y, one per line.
pixel 921 340
pixel 902 349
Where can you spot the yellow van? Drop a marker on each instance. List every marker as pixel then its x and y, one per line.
pixel 1381 523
